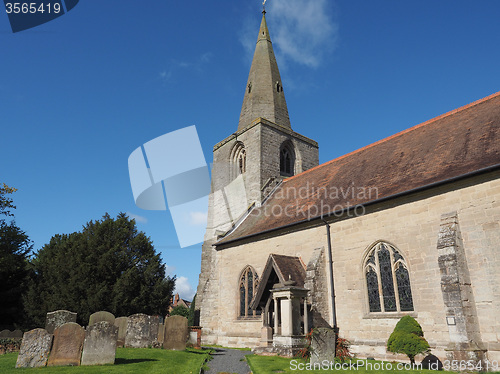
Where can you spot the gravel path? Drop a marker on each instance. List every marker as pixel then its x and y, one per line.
pixel 228 361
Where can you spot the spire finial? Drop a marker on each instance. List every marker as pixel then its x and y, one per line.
pixel 264 7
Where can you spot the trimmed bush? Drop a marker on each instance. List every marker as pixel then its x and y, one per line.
pixel 408 338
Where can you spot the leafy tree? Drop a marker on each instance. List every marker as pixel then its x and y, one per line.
pixel 15 248
pixel 180 310
pixel 408 338
pixel 108 266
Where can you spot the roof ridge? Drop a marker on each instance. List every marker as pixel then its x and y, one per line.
pixel 428 122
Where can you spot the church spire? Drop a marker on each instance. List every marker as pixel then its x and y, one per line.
pixel 264 96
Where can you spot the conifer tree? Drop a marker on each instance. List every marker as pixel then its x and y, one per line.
pixel 15 248
pixel 109 265
pixel 408 338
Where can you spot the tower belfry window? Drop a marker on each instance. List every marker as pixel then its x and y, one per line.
pixel 242 161
pixel 287 161
pixel 238 160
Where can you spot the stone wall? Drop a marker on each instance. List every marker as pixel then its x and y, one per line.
pixel 411 224
pixel 317 284
pixel 262 141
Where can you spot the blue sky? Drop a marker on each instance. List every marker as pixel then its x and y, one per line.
pixel 80 93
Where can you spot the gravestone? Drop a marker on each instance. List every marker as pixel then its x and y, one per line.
pixel 67 347
pixel 58 318
pixel 161 333
pixel 193 337
pixel 121 323
pixel 101 316
pixel 99 347
pixel 16 334
pixel 35 349
pixel 431 362
pixel 138 331
pixel 4 333
pixel 154 323
pixel 176 333
pixel 323 345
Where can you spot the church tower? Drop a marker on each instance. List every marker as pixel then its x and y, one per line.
pixel 248 165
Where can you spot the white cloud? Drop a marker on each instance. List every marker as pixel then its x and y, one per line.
pixel 165 75
pixel 197 65
pixel 183 288
pixel 302 31
pixel 137 217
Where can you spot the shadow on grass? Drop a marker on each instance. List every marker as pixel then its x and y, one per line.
pixel 199 351
pixel 125 361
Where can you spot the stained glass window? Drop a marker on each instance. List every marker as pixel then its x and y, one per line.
pixel 385 269
pixel 403 280
pixel 248 285
pixel 397 255
pixel 372 286
pixel 371 258
pixel 387 280
pixel 242 296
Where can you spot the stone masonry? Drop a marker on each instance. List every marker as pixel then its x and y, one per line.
pixel 461 314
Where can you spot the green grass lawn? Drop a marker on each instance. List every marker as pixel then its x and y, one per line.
pixel 276 365
pixel 128 360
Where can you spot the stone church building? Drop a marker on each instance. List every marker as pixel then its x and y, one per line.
pixel 408 225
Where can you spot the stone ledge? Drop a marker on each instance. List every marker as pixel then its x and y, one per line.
pixel 389 315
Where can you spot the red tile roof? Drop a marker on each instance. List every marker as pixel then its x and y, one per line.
pixel 454 144
pixel 286 268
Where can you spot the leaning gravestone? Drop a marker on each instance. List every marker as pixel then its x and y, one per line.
pixel 176 333
pixel 58 318
pixel 99 347
pixel 101 316
pixel 121 323
pixel 138 331
pixel 35 349
pixel 67 347
pixel 323 345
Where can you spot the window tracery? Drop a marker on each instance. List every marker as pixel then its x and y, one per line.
pixel 248 283
pixel 387 280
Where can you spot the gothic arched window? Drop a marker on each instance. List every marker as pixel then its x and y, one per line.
pixel 242 161
pixel 387 280
pixel 239 159
pixel 247 286
pixel 287 161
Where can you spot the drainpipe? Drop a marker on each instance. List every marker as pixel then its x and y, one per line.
pixel 330 263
